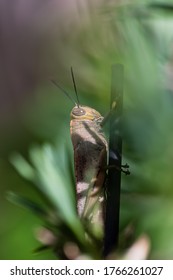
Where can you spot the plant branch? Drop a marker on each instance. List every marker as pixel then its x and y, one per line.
pixel 115 152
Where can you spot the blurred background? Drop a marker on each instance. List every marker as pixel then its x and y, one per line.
pixel 41 40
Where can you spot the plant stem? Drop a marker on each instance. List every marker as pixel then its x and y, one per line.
pixel 115 157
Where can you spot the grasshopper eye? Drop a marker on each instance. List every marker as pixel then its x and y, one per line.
pixel 78 112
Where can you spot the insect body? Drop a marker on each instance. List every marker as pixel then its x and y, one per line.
pixel 90 159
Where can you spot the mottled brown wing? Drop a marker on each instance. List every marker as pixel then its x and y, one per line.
pixel 90 160
pixel 94 205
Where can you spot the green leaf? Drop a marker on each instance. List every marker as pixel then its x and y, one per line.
pixel 26 203
pixel 22 166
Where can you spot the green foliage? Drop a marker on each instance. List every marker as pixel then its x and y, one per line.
pixel 47 172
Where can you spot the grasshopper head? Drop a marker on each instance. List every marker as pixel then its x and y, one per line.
pixel 85 113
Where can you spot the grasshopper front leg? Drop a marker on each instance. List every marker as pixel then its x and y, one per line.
pixel 125 166
pixel 104 121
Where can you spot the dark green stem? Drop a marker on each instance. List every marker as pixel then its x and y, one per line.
pixel 115 152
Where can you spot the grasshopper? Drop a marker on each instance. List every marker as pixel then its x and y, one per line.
pixel 90 160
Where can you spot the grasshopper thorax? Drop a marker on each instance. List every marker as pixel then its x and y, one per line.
pixel 85 113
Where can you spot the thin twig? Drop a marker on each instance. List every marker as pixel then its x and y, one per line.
pixel 115 151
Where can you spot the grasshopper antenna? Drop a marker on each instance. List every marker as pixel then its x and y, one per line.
pixel 74 84
pixel 65 92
